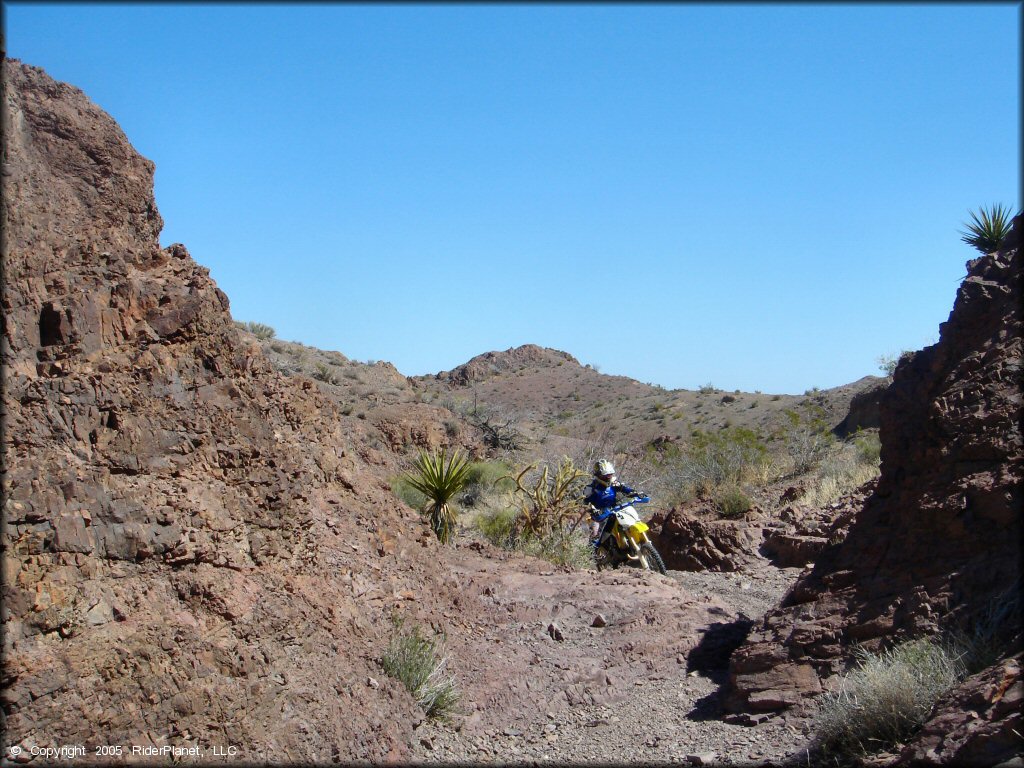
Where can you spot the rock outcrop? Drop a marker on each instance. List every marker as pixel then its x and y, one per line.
pixel 194 550
pixel 486 365
pixel 940 537
pixel 801 533
pixel 688 541
pixel 864 411
pixel 977 724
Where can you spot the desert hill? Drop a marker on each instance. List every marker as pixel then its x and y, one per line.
pixel 547 394
pixel 553 392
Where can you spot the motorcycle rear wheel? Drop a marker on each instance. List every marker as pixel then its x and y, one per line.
pixel 652 558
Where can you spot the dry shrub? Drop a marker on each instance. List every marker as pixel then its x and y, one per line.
pixel 845 467
pixel 885 699
pixel 549 503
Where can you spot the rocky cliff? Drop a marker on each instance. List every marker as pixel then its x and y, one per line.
pixel 193 550
pixel 939 540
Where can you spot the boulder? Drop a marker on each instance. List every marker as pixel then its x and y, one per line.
pixel 687 541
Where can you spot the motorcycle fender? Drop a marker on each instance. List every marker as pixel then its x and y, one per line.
pixel 637 530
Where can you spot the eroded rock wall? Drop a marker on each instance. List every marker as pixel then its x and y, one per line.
pixel 940 537
pixel 194 549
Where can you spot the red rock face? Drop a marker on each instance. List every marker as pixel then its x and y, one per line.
pixel 941 535
pixel 193 548
pixel 688 542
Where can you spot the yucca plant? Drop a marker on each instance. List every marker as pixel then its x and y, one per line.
pixel 988 228
pixel 439 477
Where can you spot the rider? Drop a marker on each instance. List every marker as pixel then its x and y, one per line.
pixel 602 497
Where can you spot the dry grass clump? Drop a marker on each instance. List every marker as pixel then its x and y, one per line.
pixel 418 662
pixel 259 330
pixel 885 699
pixel 835 479
pixel 845 467
pixel 993 631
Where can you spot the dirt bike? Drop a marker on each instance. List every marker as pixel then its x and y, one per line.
pixel 624 540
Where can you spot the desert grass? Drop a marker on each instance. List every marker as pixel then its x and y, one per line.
pixel 845 467
pixel 419 662
pixel 497 525
pixel 731 501
pixel 885 699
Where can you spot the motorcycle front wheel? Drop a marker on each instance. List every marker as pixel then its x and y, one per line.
pixel 651 557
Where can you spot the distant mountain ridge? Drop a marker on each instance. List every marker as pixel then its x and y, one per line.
pixel 552 391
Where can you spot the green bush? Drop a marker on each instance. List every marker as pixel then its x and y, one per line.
pixel 715 459
pixel 806 436
pixel 731 501
pixel 418 662
pixel 884 699
pixel 403 489
pixel 868 446
pixel 484 478
pixel 499 527
pixel 887 363
pixel 490 474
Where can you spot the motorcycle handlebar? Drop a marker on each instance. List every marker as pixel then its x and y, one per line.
pixel 634 500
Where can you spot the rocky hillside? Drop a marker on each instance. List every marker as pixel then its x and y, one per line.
pixel 191 538
pixel 552 395
pixel 937 544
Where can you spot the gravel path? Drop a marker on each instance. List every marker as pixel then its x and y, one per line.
pixel 626 692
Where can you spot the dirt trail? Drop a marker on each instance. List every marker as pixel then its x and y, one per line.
pixel 548 683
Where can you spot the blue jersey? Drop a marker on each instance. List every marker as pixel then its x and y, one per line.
pixel 603 497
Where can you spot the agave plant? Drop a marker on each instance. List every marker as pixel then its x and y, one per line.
pixel 439 477
pixel 988 228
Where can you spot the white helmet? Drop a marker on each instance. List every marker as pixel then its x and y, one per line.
pixel 604 472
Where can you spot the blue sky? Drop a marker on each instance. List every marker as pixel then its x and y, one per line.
pixel 762 197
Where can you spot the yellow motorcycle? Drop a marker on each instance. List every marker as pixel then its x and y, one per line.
pixel 624 540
